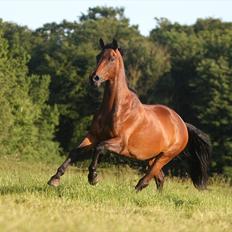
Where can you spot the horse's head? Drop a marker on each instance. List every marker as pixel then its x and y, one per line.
pixel 108 61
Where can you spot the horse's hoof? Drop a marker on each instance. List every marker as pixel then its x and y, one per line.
pixel 93 180
pixel 141 185
pixel 54 182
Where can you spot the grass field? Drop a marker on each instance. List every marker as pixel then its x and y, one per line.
pixel 28 204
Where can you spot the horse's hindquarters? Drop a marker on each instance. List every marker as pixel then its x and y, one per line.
pixel 162 130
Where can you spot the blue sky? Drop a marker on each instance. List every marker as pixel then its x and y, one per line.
pixel 34 13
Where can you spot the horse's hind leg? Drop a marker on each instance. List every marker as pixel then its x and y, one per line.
pixel 155 170
pixel 73 156
pixel 159 180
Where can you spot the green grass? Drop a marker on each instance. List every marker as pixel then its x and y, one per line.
pixel 28 204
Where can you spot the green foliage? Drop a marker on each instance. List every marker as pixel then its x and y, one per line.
pixel 67 52
pixel 188 68
pixel 27 122
pixel 96 13
pixel 201 81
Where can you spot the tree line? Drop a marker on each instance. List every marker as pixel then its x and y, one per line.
pixel 47 103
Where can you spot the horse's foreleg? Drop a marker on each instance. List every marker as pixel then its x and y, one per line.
pixel 113 145
pixel 92 176
pixel 73 155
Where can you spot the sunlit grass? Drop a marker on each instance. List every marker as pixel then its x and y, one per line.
pixel 28 204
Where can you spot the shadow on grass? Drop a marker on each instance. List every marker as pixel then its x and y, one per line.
pixel 179 201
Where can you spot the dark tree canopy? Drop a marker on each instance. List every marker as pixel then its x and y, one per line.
pixel 188 68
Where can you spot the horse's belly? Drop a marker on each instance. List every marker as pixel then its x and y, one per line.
pixel 145 143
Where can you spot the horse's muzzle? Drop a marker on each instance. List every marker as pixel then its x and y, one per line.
pixel 95 80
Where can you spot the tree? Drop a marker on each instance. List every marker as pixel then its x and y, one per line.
pixel 200 80
pixel 24 113
pixel 67 52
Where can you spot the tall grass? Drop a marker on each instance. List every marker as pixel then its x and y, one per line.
pixel 28 204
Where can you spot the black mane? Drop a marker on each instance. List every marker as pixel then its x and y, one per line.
pixel 112 46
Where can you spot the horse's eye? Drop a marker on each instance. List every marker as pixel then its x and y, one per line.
pixel 112 59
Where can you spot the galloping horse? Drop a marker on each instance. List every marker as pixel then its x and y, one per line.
pixel 125 126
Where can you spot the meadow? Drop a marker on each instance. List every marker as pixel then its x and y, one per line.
pixel 28 204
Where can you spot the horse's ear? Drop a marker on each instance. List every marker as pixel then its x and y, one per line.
pixel 121 51
pixel 101 42
pixel 115 44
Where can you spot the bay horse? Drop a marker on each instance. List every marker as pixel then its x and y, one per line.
pixel 125 126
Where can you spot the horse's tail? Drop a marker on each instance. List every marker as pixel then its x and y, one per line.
pixel 198 152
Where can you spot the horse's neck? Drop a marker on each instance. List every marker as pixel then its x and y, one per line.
pixel 115 93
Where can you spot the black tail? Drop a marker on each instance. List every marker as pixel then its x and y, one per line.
pixel 198 152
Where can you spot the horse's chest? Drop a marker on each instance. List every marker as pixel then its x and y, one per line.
pixel 106 127
pixel 110 125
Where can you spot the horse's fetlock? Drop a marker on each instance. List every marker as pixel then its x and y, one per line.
pixel 61 170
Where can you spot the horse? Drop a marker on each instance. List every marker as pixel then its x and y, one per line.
pixel 123 125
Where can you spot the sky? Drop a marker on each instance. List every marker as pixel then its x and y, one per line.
pixel 35 13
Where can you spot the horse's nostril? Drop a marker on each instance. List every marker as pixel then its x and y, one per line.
pixel 96 78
